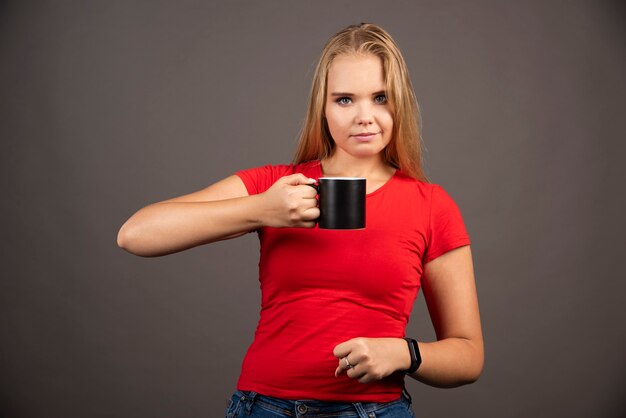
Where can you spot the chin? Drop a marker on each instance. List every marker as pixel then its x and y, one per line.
pixel 367 153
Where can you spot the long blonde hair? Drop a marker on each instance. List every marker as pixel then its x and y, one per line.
pixel 404 152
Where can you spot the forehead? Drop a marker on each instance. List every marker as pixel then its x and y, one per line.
pixel 356 73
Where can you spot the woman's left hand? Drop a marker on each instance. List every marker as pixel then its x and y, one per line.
pixel 370 359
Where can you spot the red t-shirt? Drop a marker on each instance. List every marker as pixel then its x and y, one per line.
pixel 323 287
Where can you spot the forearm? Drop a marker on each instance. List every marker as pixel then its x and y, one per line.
pixel 168 227
pixel 450 362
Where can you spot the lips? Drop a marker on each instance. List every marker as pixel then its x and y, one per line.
pixel 364 136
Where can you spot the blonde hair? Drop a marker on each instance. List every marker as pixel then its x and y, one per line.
pixel 404 150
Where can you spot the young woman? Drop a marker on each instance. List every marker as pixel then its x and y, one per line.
pixel 335 303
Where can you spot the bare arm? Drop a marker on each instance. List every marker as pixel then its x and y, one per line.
pixel 221 211
pixel 456 358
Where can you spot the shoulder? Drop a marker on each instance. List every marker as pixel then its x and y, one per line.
pixel 446 226
pixel 432 199
pixel 414 187
pixel 433 191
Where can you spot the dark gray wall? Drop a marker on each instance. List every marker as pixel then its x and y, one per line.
pixel 106 106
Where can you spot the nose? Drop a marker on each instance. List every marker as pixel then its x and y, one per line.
pixel 364 115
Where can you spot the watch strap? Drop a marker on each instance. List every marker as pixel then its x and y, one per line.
pixel 416 358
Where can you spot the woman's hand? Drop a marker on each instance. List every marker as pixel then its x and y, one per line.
pixel 370 359
pixel 290 202
pixel 456 358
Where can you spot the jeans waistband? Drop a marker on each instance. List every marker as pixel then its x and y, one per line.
pixel 252 404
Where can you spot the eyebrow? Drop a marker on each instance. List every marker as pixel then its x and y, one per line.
pixel 352 94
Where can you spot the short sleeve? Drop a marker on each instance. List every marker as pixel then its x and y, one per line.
pixel 258 180
pixel 446 227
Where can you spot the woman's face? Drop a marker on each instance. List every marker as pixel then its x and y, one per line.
pixel 358 115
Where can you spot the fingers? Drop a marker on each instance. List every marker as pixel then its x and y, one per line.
pixel 311 215
pixel 344 364
pixel 359 373
pixel 356 371
pixel 291 202
pixel 307 192
pixel 309 210
pixel 302 184
pixel 342 351
pixel 365 359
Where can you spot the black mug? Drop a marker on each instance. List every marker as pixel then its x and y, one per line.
pixel 341 202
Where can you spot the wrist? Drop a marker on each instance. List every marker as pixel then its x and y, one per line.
pixel 260 210
pixel 400 354
pixel 414 355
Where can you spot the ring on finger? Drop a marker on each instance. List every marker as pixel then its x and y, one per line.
pixel 348 365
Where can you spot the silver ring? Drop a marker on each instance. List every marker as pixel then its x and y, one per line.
pixel 348 365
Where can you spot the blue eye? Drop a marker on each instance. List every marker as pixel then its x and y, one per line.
pixel 344 100
pixel 380 99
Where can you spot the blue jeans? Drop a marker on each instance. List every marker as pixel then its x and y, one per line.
pixel 253 405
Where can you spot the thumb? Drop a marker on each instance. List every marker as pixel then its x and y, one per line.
pixel 297 179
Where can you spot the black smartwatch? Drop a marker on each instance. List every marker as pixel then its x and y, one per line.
pixel 416 358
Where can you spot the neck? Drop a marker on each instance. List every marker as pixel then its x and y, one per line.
pixel 371 168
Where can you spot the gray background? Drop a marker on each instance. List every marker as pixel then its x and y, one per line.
pixel 106 106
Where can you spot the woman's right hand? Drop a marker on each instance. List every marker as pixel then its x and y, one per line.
pixel 290 202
